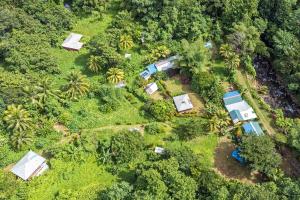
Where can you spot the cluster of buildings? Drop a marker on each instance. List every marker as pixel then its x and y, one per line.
pixel 241 112
pixel 182 102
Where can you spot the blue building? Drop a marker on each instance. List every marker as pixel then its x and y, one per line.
pixel 252 128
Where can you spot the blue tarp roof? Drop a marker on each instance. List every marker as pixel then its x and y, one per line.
pixel 231 94
pixel 152 69
pixel 236 154
pixel 252 127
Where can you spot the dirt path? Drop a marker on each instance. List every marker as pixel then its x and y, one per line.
pixel 242 79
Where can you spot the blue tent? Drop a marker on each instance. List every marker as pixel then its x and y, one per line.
pixel 253 128
pixel 236 154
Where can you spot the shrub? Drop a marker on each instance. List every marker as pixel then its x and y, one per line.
pixel 154 128
pixel 126 146
pixel 161 110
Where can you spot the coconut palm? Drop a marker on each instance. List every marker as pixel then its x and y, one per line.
pixel 158 53
pixel 20 139
pixel 77 85
pixel 16 118
pixel 42 91
pixel 233 62
pixel 226 50
pixel 115 75
pixel 94 63
pixel 126 42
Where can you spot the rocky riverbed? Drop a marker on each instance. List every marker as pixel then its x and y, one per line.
pixel 277 96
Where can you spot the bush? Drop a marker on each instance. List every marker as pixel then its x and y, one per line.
pixel 126 146
pixel 191 128
pixel 161 110
pixel 154 129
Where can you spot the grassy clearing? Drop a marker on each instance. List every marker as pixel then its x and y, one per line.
pixel 262 115
pixel 65 175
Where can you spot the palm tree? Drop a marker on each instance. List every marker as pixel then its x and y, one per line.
pixel 115 75
pixel 42 91
pixel 158 53
pixel 224 120
pixel 77 85
pixel 226 50
pixel 233 62
pixel 16 118
pixel 126 42
pixel 20 139
pixel 94 63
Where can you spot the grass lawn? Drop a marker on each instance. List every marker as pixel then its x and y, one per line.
pixel 93 118
pixel 86 178
pixel 261 113
pixel 175 86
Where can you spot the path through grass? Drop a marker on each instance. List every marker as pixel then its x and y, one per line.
pixel 263 117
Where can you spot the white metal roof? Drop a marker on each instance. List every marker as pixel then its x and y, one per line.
pixel 28 165
pixel 151 88
pixel 72 41
pixel 183 102
pixel 241 106
pixel 159 150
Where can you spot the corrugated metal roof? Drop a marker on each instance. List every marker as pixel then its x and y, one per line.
pixel 28 165
pixel 231 94
pixel 252 127
pixel 183 102
pixel 72 41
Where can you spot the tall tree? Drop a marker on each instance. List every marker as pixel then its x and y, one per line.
pixel 21 139
pixel 17 119
pixel 77 85
pixel 126 42
pixel 94 63
pixel 115 75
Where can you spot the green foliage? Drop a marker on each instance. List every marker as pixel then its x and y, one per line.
pixel 161 110
pixel 110 98
pixel 191 128
pixel 24 52
pixel 154 128
pixel 193 56
pixel 260 152
pixel 106 54
pixel 17 119
pixel 126 146
pixel 208 87
pixel 118 191
pixel 77 85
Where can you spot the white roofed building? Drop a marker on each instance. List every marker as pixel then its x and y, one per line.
pixel 29 166
pixel 159 150
pixel 239 110
pixel 183 103
pixel 72 42
pixel 151 88
pixel 166 64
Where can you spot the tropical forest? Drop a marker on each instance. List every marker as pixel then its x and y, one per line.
pixel 149 100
